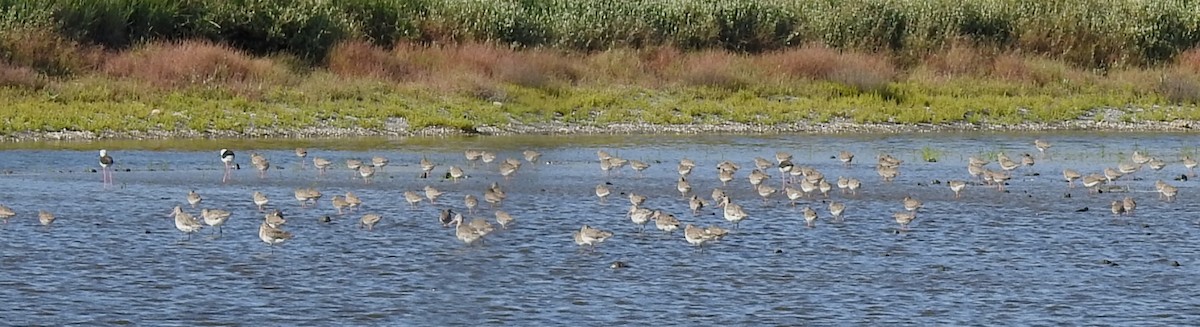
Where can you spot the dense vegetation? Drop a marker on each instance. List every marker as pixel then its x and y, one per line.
pixel 234 64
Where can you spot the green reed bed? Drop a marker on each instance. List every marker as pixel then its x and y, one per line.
pixel 1086 32
pixel 239 65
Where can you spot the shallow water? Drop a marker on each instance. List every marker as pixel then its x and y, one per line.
pixel 1026 257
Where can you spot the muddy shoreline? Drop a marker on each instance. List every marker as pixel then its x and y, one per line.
pixel 400 129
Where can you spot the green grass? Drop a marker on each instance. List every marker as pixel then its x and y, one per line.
pixel 98 104
pixel 930 155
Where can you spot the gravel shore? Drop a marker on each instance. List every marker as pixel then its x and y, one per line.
pixel 398 127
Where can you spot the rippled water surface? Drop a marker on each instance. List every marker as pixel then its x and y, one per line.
pixel 1031 256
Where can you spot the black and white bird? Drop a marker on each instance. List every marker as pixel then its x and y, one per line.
pixel 227 158
pixel 105 162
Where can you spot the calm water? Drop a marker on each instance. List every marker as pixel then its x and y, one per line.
pixel 1026 257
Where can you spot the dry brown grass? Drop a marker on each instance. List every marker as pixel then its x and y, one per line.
pixel 539 68
pixel 193 63
pixel 960 59
pixel 1037 70
pixel 813 62
pixel 48 52
pixel 16 76
pixel 362 59
pixel 1189 61
pixel 661 61
pixel 1181 87
pixel 712 68
pixel 616 67
pixel 865 72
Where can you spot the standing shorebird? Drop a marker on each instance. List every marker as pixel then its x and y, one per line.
pixel 1006 163
pixel 215 218
pixel 532 156
pixel 379 162
pixel 733 212
pixel 185 222
pixel 413 198
pixel 471 202
pixel 761 163
pixel 1190 164
pixel 353 200
pixel 781 156
pixel 194 198
pixel 695 203
pixel 810 216
pixel 853 185
pixel 640 216
pixel 725 176
pixel 272 235
pixel 1166 190
pixel 6 213
pixel 636 199
pixel 718 195
pixel 836 209
pixel 602 192
pixel 464 232
pixel 685 167
pixel 793 194
pixel 45 217
pixel 638 166
pixel 503 218
pixel 1118 208
pixel 473 156
pixel 765 192
pixel 369 220
pixel 1128 204
pixel 366 172
pixel 321 164
pixel 105 162
pixel 904 218
pixel 664 221
pixel 1140 158
pixel 698 236
pixel 1156 164
pixel 481 227
pixel 508 169
pixel 1111 175
pixel 846 157
pixel 456 173
pixel 911 203
pixel 274 218
pixel 957 186
pixel 432 193
pixel 261 163
pixel 353 165
pixel 1092 182
pixel 305 195
pixel 227 158
pixel 487 156
pixel 1041 146
pixel 260 200
pixel 591 237
pixel 493 198
pixel 339 203
pixel 302 153
pixel 1071 175
pixel 683 186
pixel 426 166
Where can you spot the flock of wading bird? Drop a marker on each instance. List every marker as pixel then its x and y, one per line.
pixel 797 182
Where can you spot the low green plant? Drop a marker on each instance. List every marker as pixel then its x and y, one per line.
pixel 930 154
